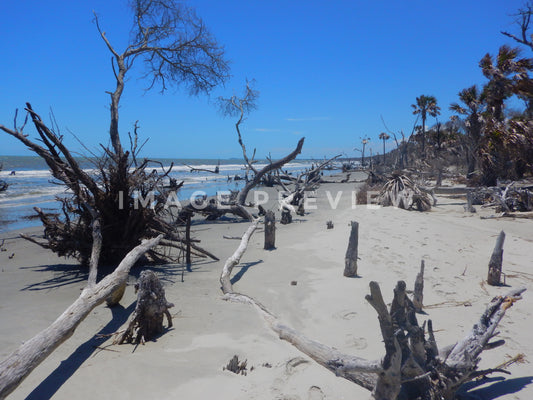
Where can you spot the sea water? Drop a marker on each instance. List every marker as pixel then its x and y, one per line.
pixel 32 185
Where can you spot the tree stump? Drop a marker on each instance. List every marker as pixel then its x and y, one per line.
pixel 418 295
pixel 350 260
pixel 495 263
pixel 152 304
pixel 270 230
pixel 329 224
pixel 469 207
pixel 286 217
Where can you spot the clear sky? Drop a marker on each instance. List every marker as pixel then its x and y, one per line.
pixel 326 70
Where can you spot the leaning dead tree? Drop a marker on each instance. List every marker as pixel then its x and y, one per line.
pixel 176 49
pixel 240 107
pixel 414 367
pixel 17 366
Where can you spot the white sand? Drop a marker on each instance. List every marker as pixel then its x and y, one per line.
pixel 187 361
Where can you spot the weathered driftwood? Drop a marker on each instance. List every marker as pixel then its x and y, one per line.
pixel 272 166
pixel 350 259
pixel 506 199
pixel 225 277
pixel 402 192
pixel 418 294
pixel 270 230
pixel 17 366
pixel 152 306
pixel 412 367
pixel 496 260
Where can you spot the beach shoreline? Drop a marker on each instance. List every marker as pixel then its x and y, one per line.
pixel 187 361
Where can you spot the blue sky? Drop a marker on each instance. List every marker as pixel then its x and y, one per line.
pixel 326 70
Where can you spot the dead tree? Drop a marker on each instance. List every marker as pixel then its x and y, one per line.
pixel 152 305
pixel 240 107
pixel 418 294
pixel 350 259
pixel 495 263
pixel 17 366
pixel 270 230
pixel 177 50
pixel 413 366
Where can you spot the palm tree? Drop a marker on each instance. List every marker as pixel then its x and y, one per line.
pixel 473 106
pixel 425 105
pixel 383 136
pixel 502 73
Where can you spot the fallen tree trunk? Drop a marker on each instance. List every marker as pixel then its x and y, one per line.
pixel 225 277
pixel 412 367
pixel 17 366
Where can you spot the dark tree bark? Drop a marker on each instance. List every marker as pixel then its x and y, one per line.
pixel 418 295
pixel 495 263
pixel 286 217
pixel 270 230
pixel 152 306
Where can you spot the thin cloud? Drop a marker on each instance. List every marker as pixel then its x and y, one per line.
pixel 308 119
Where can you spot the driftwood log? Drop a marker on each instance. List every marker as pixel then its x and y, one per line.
pixel 413 366
pixel 17 366
pixel 496 260
pixel 270 230
pixel 350 259
pixel 152 306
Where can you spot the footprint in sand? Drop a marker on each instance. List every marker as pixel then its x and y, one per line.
pixel 358 343
pixel 295 364
pixel 345 314
pixel 315 393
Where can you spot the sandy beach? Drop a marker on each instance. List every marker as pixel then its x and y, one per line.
pixel 187 361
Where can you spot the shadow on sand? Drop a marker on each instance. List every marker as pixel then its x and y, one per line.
pixel 499 387
pixel 53 382
pixel 243 270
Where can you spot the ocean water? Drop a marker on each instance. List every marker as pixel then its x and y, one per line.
pixel 31 184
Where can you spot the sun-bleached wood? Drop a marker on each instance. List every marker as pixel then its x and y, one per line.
pixel 17 366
